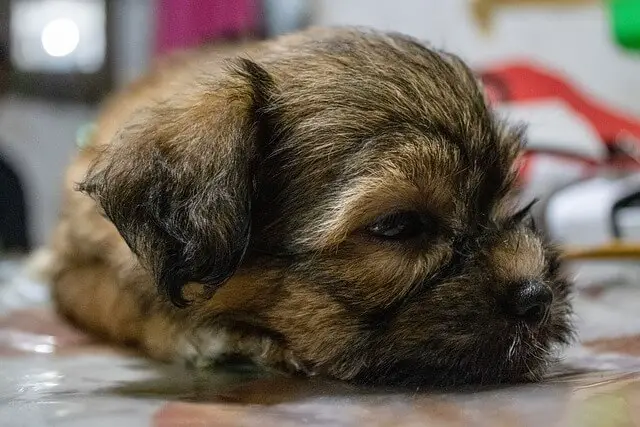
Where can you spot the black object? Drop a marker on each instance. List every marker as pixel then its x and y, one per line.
pixel 14 232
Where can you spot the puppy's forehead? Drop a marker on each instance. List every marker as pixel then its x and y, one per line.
pixel 368 82
pixel 369 122
pixel 339 94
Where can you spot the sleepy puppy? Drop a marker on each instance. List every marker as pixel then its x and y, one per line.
pixel 336 202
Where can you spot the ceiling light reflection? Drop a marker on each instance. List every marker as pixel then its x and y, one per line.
pixel 60 37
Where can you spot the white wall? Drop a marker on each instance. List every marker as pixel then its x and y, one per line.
pixel 574 40
pixel 135 29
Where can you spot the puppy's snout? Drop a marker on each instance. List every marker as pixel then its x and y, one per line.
pixel 529 301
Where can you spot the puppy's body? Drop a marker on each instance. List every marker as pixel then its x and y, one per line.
pixel 334 201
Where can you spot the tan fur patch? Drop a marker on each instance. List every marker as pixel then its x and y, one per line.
pixel 518 257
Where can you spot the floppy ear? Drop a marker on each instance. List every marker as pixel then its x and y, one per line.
pixel 178 181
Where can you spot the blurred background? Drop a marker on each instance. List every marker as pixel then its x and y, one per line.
pixel 570 69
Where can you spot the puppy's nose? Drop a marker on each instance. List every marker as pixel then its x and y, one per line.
pixel 529 301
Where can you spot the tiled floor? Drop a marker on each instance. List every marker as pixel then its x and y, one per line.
pixel 52 375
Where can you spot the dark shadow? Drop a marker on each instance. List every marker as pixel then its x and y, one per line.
pixel 247 385
pixel 233 384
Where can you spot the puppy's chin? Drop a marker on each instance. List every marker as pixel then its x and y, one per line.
pixel 515 354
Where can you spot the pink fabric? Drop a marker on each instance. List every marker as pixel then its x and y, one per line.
pixel 187 23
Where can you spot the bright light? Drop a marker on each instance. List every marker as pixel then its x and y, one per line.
pixel 60 37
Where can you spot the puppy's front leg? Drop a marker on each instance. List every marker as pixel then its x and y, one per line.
pixel 130 312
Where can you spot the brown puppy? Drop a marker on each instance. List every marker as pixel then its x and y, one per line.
pixel 334 201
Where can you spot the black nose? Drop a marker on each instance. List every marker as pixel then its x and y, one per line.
pixel 530 301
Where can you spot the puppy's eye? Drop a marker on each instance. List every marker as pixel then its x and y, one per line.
pixel 397 226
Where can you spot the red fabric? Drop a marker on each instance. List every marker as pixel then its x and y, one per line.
pixel 520 82
pixel 188 23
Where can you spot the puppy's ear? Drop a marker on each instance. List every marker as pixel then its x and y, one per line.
pixel 178 181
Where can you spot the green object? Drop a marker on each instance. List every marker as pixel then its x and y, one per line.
pixel 625 21
pixel 84 134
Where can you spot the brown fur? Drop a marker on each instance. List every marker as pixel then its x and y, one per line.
pixel 237 197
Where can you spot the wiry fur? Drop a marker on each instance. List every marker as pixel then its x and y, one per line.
pixel 242 188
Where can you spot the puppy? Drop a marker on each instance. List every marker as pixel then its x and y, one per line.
pixel 336 202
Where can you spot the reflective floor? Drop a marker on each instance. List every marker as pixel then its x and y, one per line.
pixel 53 375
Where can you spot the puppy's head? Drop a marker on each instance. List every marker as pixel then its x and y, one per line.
pixel 358 183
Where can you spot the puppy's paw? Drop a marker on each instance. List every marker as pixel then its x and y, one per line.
pixel 205 348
